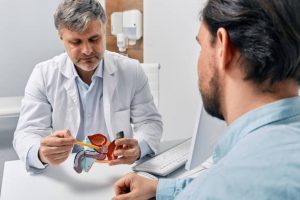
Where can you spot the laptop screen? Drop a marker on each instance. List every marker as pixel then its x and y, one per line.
pixel 207 131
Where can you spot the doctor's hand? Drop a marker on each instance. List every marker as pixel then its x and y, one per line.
pixel 128 151
pixel 55 148
pixel 135 187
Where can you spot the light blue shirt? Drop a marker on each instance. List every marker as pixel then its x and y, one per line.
pixel 91 105
pixel 256 158
pixel 91 116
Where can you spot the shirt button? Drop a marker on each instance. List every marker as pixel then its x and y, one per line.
pixel 89 115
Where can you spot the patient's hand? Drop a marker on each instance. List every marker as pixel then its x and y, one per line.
pixel 128 151
pixel 55 148
pixel 133 186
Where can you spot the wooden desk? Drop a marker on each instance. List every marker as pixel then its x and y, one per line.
pixel 60 182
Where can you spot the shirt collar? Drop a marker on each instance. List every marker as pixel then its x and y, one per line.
pixel 259 117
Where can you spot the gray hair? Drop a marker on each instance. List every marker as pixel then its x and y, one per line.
pixel 76 14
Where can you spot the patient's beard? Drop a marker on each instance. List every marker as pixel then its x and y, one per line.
pixel 211 98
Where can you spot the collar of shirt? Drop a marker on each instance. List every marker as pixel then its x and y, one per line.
pixel 244 125
pixel 97 73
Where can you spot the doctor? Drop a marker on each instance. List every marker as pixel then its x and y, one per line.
pixel 84 91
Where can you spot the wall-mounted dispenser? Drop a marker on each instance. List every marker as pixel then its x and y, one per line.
pixel 132 25
pixel 129 23
pixel 116 23
pixel 122 42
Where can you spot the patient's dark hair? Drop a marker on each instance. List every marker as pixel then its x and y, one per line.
pixel 265 32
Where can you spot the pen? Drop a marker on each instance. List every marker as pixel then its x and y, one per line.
pixel 87 145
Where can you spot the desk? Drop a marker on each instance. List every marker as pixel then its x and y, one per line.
pixel 60 182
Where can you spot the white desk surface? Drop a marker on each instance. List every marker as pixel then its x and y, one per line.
pixel 60 182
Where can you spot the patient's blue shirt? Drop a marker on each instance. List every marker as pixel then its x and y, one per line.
pixel 258 157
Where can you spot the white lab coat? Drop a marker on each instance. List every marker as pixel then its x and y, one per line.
pixel 51 102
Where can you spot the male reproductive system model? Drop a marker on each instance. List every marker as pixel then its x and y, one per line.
pixel 97 149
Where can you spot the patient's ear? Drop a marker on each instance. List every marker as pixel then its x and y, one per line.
pixel 225 50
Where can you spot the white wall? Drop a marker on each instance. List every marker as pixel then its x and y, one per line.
pixel 27 36
pixel 170 27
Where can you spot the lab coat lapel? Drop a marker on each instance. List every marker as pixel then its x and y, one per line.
pixel 70 86
pixel 109 85
pixel 71 90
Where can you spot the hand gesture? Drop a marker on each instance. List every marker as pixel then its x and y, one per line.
pixel 55 148
pixel 128 151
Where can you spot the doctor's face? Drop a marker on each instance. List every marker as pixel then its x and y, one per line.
pixel 208 76
pixel 85 48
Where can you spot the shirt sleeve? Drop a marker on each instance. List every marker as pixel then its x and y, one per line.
pixel 33 163
pixel 168 189
pixel 34 121
pixel 145 149
pixel 144 116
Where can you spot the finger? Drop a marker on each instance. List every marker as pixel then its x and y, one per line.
pixel 46 155
pixel 54 159
pixel 55 141
pixel 123 160
pixel 126 141
pixel 126 183
pixel 127 196
pixel 52 155
pixel 55 150
pixel 119 185
pixel 58 161
pixel 57 138
pixel 62 134
pixel 61 156
pixel 133 152
pixel 123 182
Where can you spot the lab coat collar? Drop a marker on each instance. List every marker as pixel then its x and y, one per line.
pixel 110 80
pixel 71 89
pixel 67 66
pixel 109 63
pixel 110 77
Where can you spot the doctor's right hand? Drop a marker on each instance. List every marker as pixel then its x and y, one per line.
pixel 55 148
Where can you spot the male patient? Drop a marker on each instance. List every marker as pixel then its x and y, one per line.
pixel 84 91
pixel 249 71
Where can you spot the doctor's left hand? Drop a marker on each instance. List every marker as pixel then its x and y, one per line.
pixel 128 151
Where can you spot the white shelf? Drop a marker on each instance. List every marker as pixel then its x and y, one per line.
pixel 10 106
